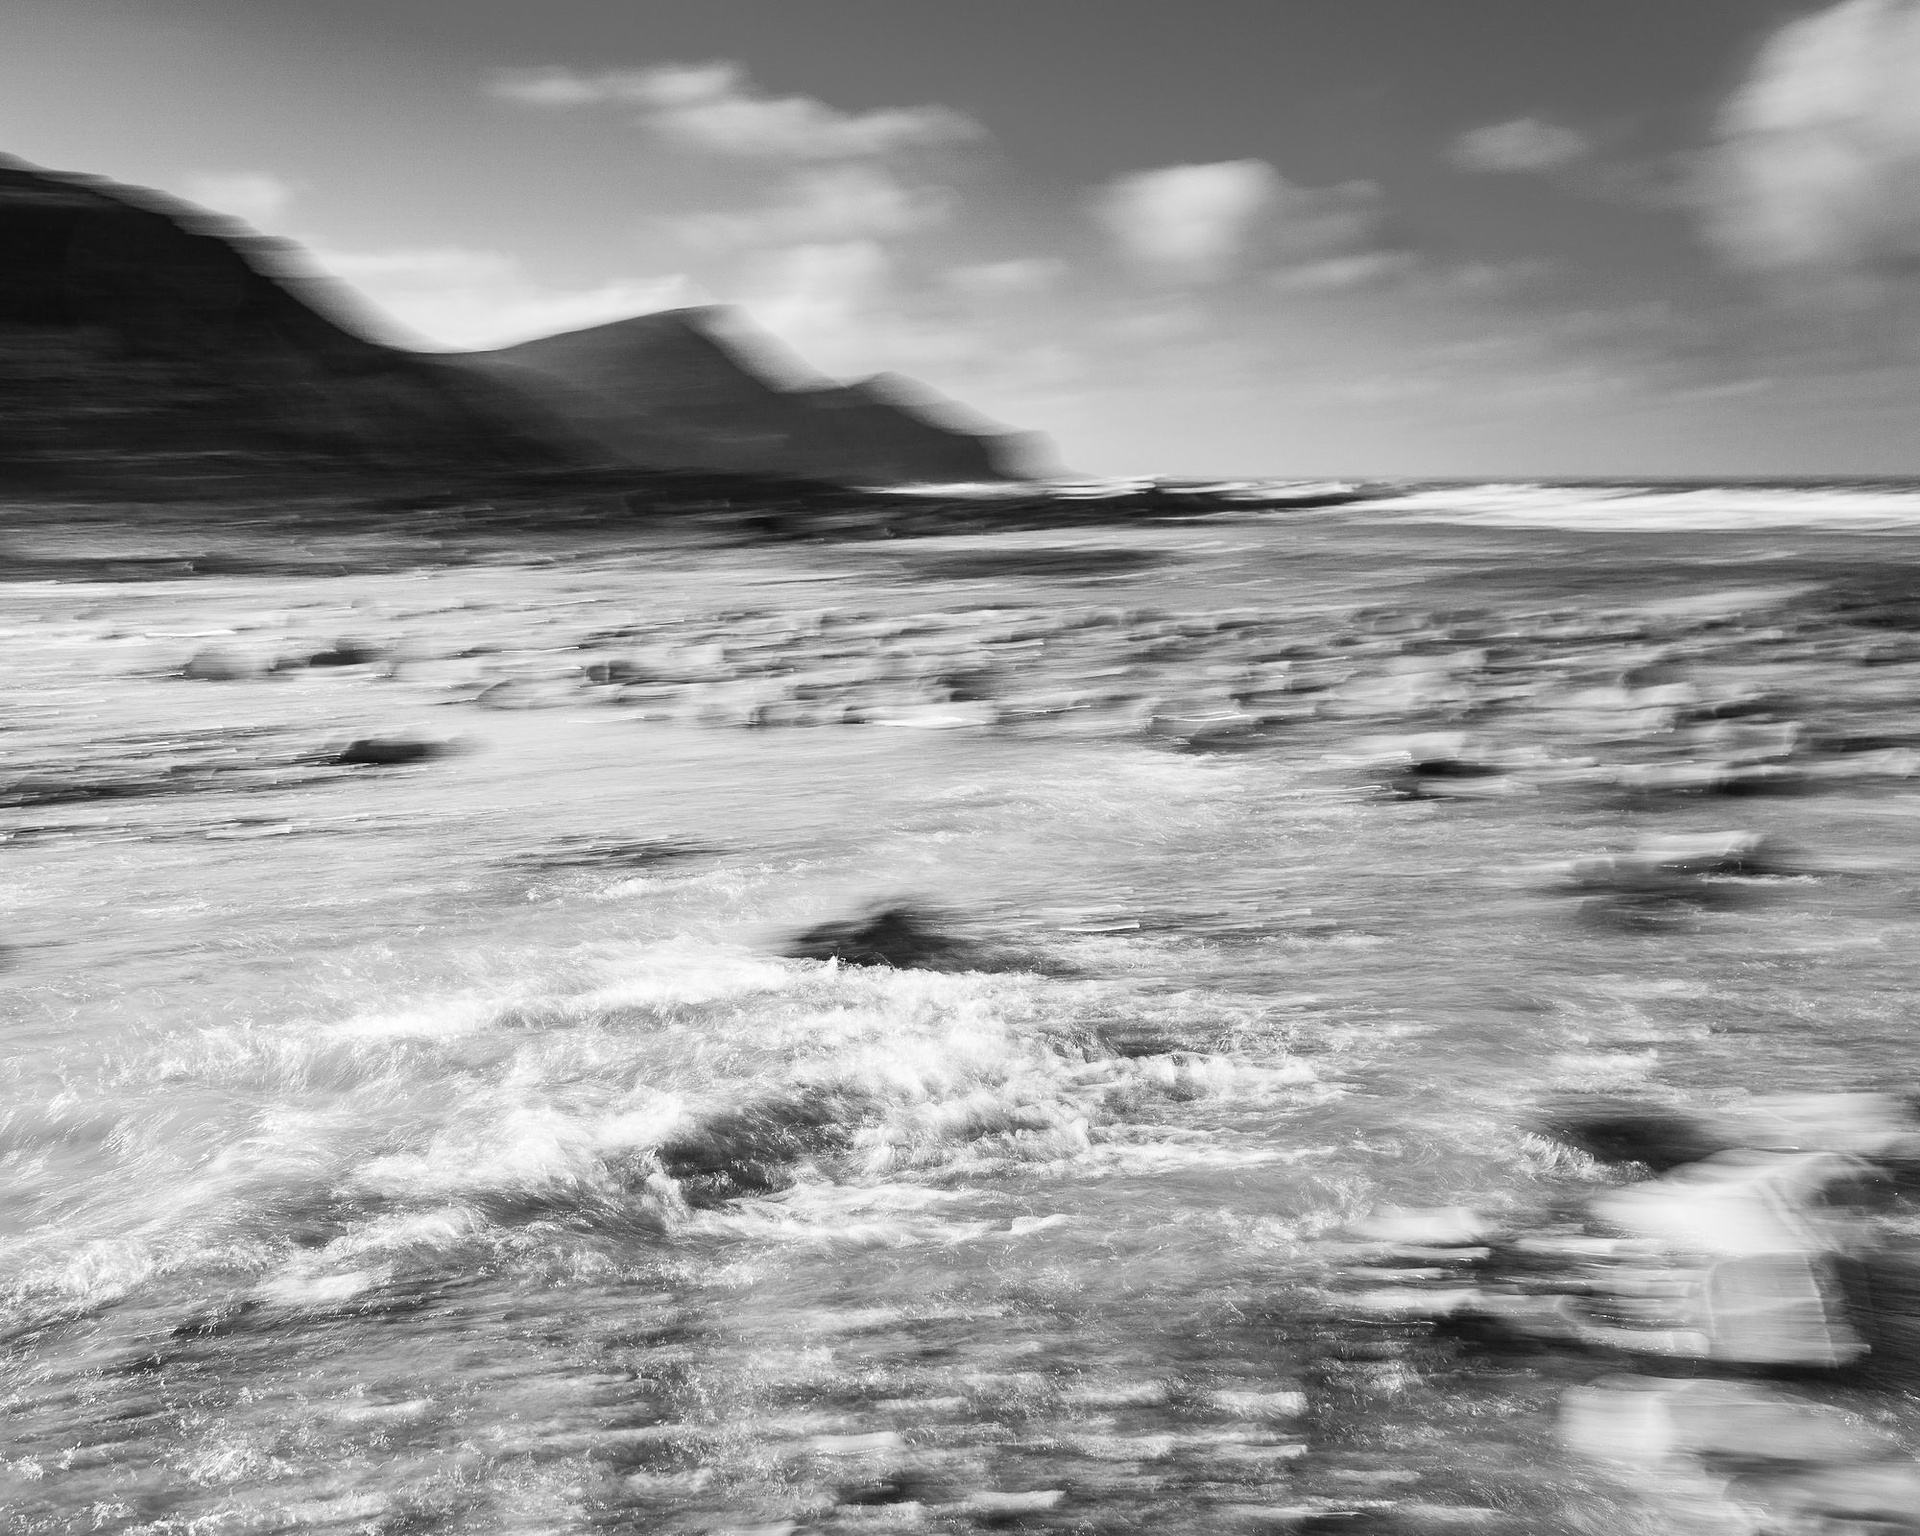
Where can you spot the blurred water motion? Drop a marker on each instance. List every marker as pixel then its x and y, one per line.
pixel 1389 1019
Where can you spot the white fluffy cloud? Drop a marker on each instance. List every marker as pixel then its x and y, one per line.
pixel 258 197
pixel 1526 144
pixel 1190 222
pixel 817 293
pixel 1818 162
pixel 465 298
pixel 855 308
pixel 836 203
pixel 716 107
pixel 1202 223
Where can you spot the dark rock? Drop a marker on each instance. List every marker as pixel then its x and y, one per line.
pixel 345 653
pixel 1239 735
pixel 1761 779
pixel 1665 879
pixel 903 937
pixel 613 853
pixel 1451 768
pixel 1753 707
pixel 1856 742
pixel 1654 674
pixel 1443 778
pixel 1069 564
pixel 752 1150
pixel 1135 1040
pixel 617 671
pixel 1621 1131
pixel 63 789
pixel 389 752
pixel 1624 914
pixel 898 1485
pixel 215 665
pixel 1657 862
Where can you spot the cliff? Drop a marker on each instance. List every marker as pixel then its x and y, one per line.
pixel 142 341
pixel 699 389
pixel 148 348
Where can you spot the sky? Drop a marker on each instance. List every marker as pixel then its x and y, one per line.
pixel 1488 238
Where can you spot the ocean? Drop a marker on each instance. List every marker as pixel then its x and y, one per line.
pixel 414 1116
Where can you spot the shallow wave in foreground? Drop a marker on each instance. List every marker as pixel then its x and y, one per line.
pixel 1361 943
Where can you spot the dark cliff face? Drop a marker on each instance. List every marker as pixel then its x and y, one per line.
pixel 693 389
pixel 149 348
pixel 143 342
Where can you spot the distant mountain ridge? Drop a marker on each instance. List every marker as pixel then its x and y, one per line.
pixel 139 339
pixel 143 341
pixel 683 388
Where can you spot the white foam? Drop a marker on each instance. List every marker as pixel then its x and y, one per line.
pixel 440 1121
pixel 303 1290
pixel 1629 507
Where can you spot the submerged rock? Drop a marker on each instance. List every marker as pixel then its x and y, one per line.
pixel 904 937
pixel 1622 1131
pixel 753 1149
pixel 1663 877
pixel 611 853
pixel 344 653
pixel 216 664
pixel 389 752
pixel 1657 862
pixel 1448 778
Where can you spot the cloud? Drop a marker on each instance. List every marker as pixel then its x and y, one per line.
pixel 1000 279
pixel 1201 223
pixel 838 203
pixel 1735 389
pixel 1363 269
pixel 1817 168
pixel 466 298
pixel 818 291
pixel 849 309
pixel 1493 278
pixel 257 197
pixel 716 107
pixel 1524 145
pixel 1190 222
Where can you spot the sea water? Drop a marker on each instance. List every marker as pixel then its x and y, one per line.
pixel 447 1144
